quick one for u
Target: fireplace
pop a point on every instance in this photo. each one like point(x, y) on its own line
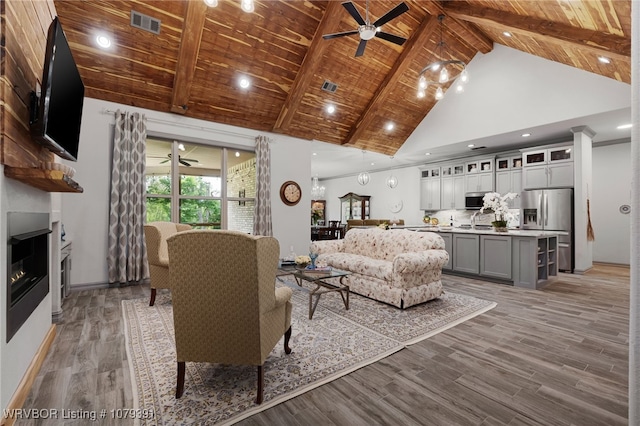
point(27, 266)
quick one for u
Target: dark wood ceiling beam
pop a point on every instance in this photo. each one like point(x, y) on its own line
point(192, 29)
point(328, 24)
point(410, 52)
point(467, 32)
point(598, 42)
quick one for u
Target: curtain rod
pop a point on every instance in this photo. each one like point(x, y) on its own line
point(189, 126)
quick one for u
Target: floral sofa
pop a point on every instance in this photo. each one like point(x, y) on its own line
point(397, 266)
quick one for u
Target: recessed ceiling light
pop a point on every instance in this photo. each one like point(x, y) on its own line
point(526, 135)
point(421, 94)
point(315, 153)
point(373, 164)
point(331, 109)
point(247, 6)
point(244, 82)
point(237, 153)
point(389, 126)
point(427, 153)
point(506, 34)
point(211, 3)
point(624, 126)
point(604, 59)
point(103, 41)
point(470, 145)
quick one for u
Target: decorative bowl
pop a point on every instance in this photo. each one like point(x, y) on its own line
point(301, 266)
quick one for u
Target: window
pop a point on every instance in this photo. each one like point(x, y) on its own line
point(204, 186)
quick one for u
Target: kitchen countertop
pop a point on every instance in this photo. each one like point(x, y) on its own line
point(511, 232)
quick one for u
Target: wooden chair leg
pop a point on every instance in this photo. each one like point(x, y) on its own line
point(260, 384)
point(153, 297)
point(180, 382)
point(287, 336)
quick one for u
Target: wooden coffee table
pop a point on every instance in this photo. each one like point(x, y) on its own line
point(322, 286)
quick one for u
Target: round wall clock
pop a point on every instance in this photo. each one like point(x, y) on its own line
point(290, 193)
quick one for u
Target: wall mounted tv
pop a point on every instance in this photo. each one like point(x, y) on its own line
point(56, 113)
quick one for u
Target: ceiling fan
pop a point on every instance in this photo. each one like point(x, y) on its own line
point(368, 30)
point(183, 161)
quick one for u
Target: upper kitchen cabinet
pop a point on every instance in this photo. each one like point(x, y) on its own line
point(509, 178)
point(452, 186)
point(430, 188)
point(431, 172)
point(548, 168)
point(452, 170)
point(479, 175)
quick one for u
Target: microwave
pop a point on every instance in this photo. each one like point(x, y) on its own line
point(473, 200)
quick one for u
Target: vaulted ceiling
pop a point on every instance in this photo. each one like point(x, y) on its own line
point(193, 65)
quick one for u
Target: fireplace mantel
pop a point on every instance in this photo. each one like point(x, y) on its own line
point(46, 180)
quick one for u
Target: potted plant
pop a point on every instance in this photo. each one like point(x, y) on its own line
point(498, 205)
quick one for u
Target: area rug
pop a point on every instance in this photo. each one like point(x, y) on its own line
point(334, 343)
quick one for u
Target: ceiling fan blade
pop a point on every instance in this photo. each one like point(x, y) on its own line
point(361, 46)
point(392, 38)
point(351, 8)
point(393, 13)
point(162, 162)
point(184, 163)
point(336, 35)
point(190, 159)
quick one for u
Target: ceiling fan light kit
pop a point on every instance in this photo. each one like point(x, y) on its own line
point(442, 71)
point(368, 30)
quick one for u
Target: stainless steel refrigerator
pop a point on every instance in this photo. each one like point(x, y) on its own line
point(551, 210)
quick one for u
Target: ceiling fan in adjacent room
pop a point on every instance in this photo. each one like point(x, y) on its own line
point(368, 30)
point(184, 161)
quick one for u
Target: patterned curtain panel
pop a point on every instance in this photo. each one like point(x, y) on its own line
point(127, 257)
point(262, 212)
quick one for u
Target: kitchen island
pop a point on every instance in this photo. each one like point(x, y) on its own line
point(521, 258)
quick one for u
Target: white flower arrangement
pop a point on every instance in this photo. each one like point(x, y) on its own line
point(384, 226)
point(496, 203)
point(303, 259)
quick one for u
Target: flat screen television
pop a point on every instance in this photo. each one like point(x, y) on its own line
point(56, 113)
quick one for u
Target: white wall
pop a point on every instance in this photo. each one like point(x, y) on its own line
point(611, 189)
point(86, 216)
point(382, 197)
point(16, 355)
point(500, 86)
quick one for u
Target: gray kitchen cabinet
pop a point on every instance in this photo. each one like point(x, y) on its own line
point(453, 189)
point(448, 246)
point(548, 168)
point(466, 253)
point(535, 261)
point(430, 193)
point(495, 256)
point(479, 182)
point(510, 181)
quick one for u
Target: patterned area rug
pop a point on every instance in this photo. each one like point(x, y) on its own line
point(334, 343)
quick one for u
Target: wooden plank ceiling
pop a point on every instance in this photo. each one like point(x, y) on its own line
point(193, 66)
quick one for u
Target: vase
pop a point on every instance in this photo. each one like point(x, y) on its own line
point(313, 257)
point(500, 226)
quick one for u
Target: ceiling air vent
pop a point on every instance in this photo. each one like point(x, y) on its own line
point(329, 86)
point(145, 22)
point(478, 147)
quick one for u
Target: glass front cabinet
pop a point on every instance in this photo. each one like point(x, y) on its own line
point(354, 206)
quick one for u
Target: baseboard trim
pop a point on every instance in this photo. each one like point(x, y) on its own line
point(22, 392)
point(92, 286)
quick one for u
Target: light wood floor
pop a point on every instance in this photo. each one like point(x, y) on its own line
point(557, 356)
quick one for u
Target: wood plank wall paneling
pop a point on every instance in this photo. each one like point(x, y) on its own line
point(25, 34)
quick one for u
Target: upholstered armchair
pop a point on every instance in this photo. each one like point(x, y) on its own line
point(226, 308)
point(155, 235)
